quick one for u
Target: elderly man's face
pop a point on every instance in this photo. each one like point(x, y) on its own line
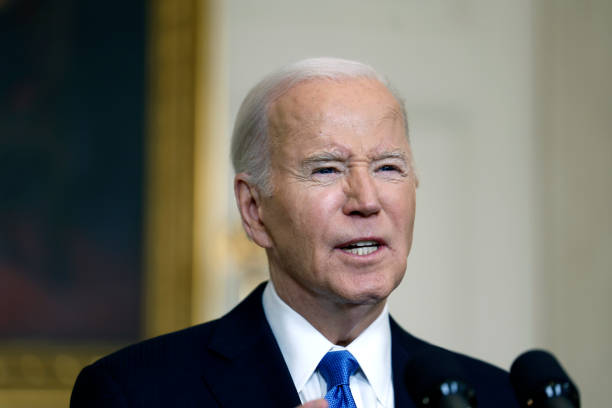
point(339, 222)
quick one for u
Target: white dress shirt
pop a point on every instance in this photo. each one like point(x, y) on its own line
point(303, 347)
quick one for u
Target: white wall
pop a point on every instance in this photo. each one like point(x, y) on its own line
point(574, 110)
point(485, 245)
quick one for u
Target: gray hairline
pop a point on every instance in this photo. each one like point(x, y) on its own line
point(250, 145)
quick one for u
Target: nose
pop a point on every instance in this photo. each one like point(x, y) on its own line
point(361, 194)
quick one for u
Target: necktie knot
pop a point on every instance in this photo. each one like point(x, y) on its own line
point(337, 367)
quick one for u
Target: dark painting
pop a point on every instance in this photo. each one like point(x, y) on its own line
point(72, 84)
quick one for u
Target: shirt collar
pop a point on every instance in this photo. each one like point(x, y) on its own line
point(303, 346)
point(372, 349)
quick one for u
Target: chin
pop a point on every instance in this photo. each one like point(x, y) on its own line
point(367, 294)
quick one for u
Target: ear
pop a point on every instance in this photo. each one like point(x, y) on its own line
point(248, 199)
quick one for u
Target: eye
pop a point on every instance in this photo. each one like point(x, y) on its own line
point(325, 170)
point(388, 167)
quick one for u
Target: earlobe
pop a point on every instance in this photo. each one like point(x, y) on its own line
point(249, 205)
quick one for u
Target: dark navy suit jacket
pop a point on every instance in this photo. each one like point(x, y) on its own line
point(235, 362)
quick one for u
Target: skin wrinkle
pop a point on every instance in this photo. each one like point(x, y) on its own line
point(324, 161)
point(335, 153)
point(296, 123)
point(338, 159)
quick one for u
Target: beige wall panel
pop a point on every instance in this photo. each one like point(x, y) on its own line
point(575, 185)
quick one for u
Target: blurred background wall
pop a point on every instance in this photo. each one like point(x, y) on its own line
point(510, 114)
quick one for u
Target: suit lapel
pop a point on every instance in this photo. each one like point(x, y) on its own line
point(246, 367)
point(403, 348)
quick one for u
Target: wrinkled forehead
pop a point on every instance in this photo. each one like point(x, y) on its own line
point(314, 106)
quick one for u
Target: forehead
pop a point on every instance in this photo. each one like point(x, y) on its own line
point(320, 113)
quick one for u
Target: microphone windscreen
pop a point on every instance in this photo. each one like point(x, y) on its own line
point(435, 374)
point(537, 374)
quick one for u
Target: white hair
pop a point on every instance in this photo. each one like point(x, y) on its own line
point(250, 148)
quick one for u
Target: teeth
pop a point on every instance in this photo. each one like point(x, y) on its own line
point(361, 250)
point(364, 244)
point(361, 247)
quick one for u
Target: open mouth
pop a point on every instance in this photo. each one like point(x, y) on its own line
point(361, 248)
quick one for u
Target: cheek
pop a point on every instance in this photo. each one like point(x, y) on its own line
point(304, 213)
point(400, 204)
point(318, 203)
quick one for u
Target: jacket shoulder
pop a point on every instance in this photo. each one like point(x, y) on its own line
point(162, 371)
point(171, 348)
point(169, 370)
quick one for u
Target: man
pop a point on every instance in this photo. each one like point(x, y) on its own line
point(325, 184)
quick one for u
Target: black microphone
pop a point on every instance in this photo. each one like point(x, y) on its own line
point(539, 381)
point(435, 380)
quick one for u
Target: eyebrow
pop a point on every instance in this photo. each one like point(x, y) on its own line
point(393, 154)
point(324, 157)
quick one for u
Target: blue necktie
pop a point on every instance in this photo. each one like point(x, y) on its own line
point(336, 367)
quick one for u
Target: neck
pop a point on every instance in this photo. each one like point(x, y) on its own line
point(340, 321)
